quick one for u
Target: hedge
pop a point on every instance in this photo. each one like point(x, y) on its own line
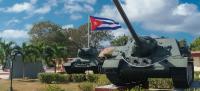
point(53, 78)
point(87, 86)
point(100, 79)
point(64, 78)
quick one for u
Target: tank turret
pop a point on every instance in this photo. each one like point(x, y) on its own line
point(143, 46)
point(87, 59)
point(147, 57)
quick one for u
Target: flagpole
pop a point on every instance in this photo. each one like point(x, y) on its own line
point(88, 31)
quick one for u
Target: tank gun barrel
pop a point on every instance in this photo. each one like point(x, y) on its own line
point(126, 20)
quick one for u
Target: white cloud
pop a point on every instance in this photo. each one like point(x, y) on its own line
point(18, 36)
point(28, 26)
point(185, 9)
point(90, 1)
point(12, 21)
point(109, 12)
point(77, 7)
point(43, 10)
point(75, 16)
point(46, 8)
point(154, 36)
point(73, 8)
point(88, 8)
point(11, 34)
point(67, 26)
point(158, 15)
point(2, 9)
point(19, 7)
point(120, 32)
point(33, 1)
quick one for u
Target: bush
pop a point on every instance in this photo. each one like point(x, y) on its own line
point(86, 86)
point(196, 75)
point(92, 77)
point(160, 83)
point(137, 88)
point(53, 78)
point(45, 77)
point(62, 78)
point(78, 77)
point(53, 88)
point(102, 80)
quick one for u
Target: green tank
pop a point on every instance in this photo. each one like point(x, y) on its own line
point(146, 57)
point(87, 59)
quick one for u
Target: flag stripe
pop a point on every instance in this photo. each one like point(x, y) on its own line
point(108, 25)
point(98, 23)
point(104, 22)
point(99, 18)
point(107, 28)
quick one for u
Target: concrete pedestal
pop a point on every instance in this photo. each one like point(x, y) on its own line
point(110, 87)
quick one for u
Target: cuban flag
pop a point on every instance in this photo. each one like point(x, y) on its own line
point(98, 23)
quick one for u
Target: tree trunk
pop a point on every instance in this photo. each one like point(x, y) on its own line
point(23, 70)
point(55, 68)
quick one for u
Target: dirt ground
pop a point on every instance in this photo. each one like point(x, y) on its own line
point(34, 85)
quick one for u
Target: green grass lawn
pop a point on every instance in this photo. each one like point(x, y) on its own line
point(36, 85)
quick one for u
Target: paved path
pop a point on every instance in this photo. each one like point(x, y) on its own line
point(4, 75)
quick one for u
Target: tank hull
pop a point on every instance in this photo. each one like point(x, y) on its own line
point(123, 74)
point(70, 69)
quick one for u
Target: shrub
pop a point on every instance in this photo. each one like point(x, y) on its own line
point(62, 78)
point(53, 78)
point(137, 88)
point(92, 77)
point(102, 80)
point(196, 75)
point(45, 77)
point(160, 83)
point(53, 88)
point(78, 77)
point(86, 86)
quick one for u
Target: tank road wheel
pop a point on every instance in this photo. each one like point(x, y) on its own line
point(183, 77)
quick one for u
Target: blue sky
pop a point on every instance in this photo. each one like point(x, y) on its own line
point(171, 18)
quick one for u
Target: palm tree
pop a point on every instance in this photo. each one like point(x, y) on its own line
point(49, 55)
point(55, 54)
point(1, 52)
point(6, 48)
point(60, 53)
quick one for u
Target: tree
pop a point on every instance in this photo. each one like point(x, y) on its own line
point(59, 53)
point(29, 54)
point(6, 48)
point(1, 52)
point(120, 41)
point(80, 37)
point(195, 45)
point(96, 36)
point(47, 33)
point(54, 54)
